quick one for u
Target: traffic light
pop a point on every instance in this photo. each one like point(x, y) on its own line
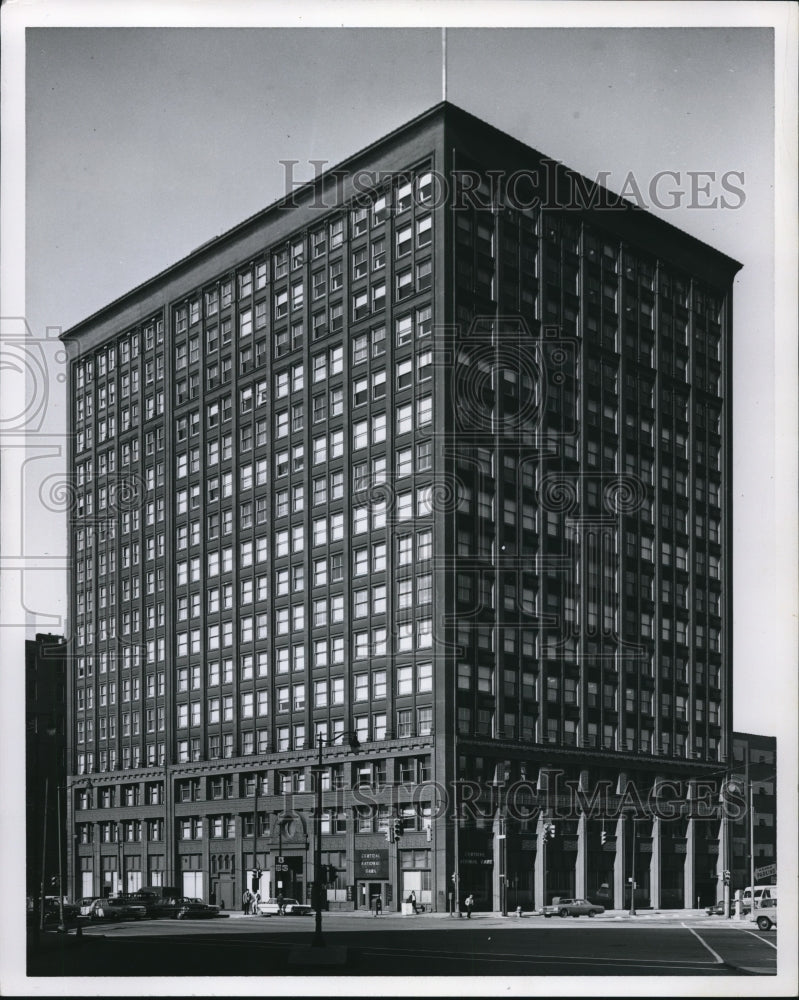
point(604, 836)
point(428, 833)
point(397, 823)
point(552, 831)
point(390, 832)
point(726, 876)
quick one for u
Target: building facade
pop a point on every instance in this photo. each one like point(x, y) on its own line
point(45, 761)
point(754, 833)
point(435, 452)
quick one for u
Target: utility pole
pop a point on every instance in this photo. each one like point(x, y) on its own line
point(44, 858)
point(751, 840)
point(61, 926)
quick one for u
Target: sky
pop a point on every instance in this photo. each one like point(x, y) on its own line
point(140, 143)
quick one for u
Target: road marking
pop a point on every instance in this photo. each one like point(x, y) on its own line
point(512, 957)
point(764, 940)
point(715, 954)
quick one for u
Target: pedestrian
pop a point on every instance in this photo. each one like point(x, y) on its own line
point(469, 903)
point(412, 900)
point(245, 902)
point(280, 904)
point(378, 905)
point(255, 900)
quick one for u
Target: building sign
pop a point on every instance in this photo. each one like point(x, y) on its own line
point(766, 871)
point(371, 864)
point(570, 845)
point(476, 858)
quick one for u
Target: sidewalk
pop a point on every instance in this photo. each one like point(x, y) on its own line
point(512, 918)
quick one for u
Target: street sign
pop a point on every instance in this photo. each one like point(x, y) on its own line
point(766, 871)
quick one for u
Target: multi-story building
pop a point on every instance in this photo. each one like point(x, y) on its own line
point(45, 761)
point(434, 451)
point(754, 831)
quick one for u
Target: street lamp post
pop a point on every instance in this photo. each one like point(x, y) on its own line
point(44, 859)
point(316, 892)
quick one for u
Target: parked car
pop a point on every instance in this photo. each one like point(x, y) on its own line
point(573, 908)
point(717, 909)
point(91, 907)
point(120, 908)
point(767, 914)
point(194, 909)
point(166, 907)
point(155, 903)
point(290, 907)
point(52, 911)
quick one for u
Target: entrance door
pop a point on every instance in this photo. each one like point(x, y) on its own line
point(86, 884)
point(376, 892)
point(222, 892)
point(367, 891)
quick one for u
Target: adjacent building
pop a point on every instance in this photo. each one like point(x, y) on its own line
point(45, 761)
point(754, 833)
point(434, 452)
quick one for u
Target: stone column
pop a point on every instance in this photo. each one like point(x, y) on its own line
point(689, 872)
point(540, 863)
point(581, 861)
point(620, 864)
point(656, 864)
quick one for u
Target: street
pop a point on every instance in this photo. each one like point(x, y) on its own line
point(432, 945)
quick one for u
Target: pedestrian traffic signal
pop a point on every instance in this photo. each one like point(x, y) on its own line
point(726, 878)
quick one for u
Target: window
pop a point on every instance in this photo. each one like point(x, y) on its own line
point(404, 330)
point(359, 263)
point(424, 231)
point(379, 210)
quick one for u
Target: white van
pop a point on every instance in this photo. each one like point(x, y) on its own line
point(761, 892)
